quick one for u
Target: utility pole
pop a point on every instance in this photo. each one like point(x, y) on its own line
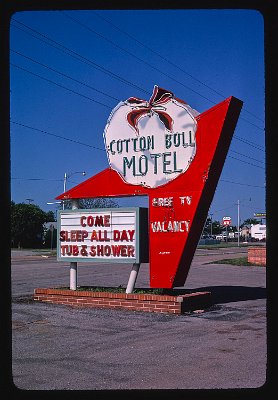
point(66, 177)
point(238, 223)
point(65, 185)
point(73, 265)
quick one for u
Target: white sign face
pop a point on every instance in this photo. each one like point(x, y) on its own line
point(103, 235)
point(151, 142)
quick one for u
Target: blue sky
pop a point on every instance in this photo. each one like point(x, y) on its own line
point(70, 69)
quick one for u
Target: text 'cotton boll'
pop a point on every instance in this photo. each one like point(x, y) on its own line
point(151, 142)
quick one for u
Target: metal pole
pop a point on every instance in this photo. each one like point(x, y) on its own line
point(132, 278)
point(65, 186)
point(73, 265)
point(238, 223)
point(73, 275)
point(51, 230)
point(65, 182)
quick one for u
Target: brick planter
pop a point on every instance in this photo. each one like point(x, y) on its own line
point(137, 302)
point(257, 255)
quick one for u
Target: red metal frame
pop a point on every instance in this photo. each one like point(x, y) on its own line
point(171, 252)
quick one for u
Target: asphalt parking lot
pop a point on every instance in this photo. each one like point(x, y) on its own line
point(59, 347)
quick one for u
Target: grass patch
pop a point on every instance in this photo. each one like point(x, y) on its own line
point(119, 289)
point(221, 245)
point(241, 261)
point(45, 251)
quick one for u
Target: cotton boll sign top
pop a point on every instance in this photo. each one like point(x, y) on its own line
point(150, 143)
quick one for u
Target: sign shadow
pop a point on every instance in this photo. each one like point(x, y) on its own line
point(227, 294)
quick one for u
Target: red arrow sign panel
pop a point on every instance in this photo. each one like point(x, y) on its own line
point(178, 209)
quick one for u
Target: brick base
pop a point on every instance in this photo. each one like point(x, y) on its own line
point(137, 302)
point(257, 255)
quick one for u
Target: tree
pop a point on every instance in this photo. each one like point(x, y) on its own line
point(215, 229)
point(27, 225)
point(50, 216)
point(250, 221)
point(97, 202)
point(50, 238)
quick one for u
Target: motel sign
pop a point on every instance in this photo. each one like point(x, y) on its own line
point(163, 149)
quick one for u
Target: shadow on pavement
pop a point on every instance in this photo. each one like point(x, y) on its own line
point(228, 294)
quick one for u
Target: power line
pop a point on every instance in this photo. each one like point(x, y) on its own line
point(246, 162)
point(245, 205)
point(61, 86)
point(67, 76)
point(137, 58)
point(249, 143)
point(61, 180)
point(244, 155)
point(169, 62)
point(251, 123)
point(94, 147)
point(155, 68)
point(38, 179)
point(104, 70)
point(77, 56)
point(223, 209)
point(57, 136)
point(237, 137)
point(229, 207)
point(89, 86)
point(242, 184)
point(105, 105)
point(97, 148)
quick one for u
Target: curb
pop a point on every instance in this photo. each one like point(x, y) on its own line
point(136, 302)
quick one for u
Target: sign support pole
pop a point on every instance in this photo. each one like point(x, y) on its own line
point(132, 278)
point(73, 275)
point(73, 265)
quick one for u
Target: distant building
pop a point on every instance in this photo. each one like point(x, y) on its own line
point(223, 236)
point(245, 232)
point(258, 231)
